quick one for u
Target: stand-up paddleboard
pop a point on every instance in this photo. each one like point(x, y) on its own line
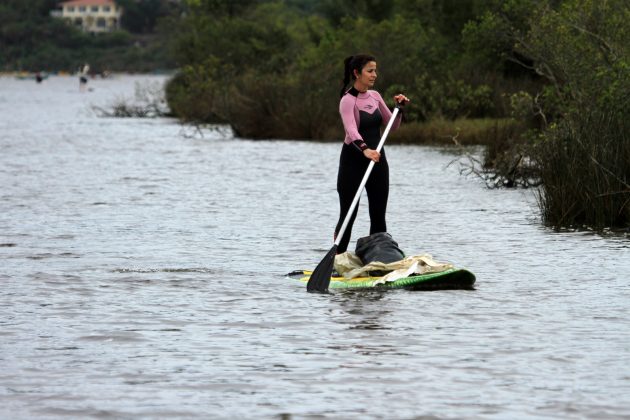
point(451, 279)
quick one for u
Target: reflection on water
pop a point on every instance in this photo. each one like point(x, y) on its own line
point(362, 309)
point(142, 269)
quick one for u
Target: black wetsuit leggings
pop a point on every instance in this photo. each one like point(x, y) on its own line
point(352, 167)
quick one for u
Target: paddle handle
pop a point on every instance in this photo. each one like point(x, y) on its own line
point(357, 196)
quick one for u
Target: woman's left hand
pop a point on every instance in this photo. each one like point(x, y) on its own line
point(401, 99)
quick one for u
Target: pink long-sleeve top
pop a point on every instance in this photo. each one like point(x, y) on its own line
point(360, 107)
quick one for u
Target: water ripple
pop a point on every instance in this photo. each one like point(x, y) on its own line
point(143, 262)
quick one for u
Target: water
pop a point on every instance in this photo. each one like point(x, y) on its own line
point(142, 270)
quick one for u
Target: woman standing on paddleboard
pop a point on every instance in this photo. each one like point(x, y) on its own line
point(363, 112)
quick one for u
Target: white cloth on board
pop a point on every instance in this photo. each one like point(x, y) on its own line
point(350, 266)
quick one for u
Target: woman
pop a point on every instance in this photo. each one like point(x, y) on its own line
point(363, 112)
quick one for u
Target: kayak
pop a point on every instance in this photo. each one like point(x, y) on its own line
point(451, 279)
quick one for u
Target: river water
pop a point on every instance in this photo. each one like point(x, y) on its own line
point(142, 267)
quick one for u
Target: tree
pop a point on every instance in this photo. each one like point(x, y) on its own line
point(141, 16)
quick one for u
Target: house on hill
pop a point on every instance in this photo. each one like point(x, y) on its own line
point(92, 16)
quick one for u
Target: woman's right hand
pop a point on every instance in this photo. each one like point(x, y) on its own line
point(401, 100)
point(372, 154)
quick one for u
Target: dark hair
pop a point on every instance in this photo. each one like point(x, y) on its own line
point(350, 64)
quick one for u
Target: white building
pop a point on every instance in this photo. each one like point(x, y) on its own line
point(91, 15)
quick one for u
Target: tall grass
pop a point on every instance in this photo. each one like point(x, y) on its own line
point(462, 131)
point(584, 163)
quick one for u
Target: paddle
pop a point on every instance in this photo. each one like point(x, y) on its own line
point(320, 279)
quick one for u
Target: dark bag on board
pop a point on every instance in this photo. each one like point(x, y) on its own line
point(379, 247)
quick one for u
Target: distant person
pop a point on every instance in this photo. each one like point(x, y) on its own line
point(363, 112)
point(83, 77)
point(38, 77)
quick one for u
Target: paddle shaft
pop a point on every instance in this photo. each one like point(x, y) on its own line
point(357, 196)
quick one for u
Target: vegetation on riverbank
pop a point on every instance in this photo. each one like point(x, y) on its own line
point(273, 69)
point(544, 83)
point(462, 131)
point(581, 149)
point(148, 102)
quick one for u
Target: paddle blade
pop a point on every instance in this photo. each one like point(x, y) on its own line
point(320, 279)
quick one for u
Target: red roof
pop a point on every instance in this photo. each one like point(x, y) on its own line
point(87, 3)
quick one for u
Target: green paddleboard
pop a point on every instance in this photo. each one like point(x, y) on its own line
point(451, 279)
